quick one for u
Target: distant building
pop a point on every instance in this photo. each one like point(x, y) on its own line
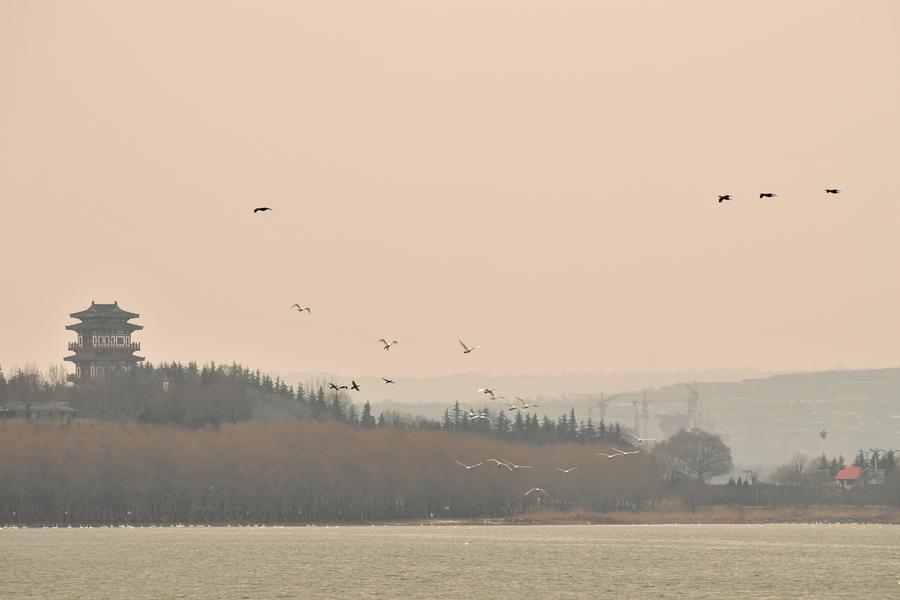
point(104, 343)
point(851, 477)
point(50, 412)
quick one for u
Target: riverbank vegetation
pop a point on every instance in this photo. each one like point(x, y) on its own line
point(306, 471)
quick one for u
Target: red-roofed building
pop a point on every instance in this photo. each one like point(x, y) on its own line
point(851, 477)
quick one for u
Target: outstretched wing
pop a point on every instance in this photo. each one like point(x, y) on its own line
point(461, 343)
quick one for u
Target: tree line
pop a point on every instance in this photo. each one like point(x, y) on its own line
point(294, 471)
point(196, 396)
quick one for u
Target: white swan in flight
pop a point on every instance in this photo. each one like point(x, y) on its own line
point(468, 467)
point(387, 345)
point(566, 471)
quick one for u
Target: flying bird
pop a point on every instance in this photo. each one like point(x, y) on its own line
point(386, 380)
point(468, 467)
point(354, 386)
point(622, 452)
point(823, 434)
point(566, 471)
point(499, 463)
point(508, 405)
point(337, 388)
point(525, 405)
point(541, 490)
point(724, 198)
point(467, 349)
point(833, 191)
point(387, 345)
point(641, 440)
point(261, 209)
point(301, 308)
point(767, 195)
point(514, 466)
point(488, 392)
point(609, 456)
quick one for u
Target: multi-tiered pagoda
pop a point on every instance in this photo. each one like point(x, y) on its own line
point(104, 343)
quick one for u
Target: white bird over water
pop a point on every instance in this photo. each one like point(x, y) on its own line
point(513, 466)
point(541, 490)
point(622, 452)
point(467, 349)
point(468, 467)
point(499, 463)
point(609, 456)
point(301, 308)
point(387, 345)
point(566, 471)
point(641, 440)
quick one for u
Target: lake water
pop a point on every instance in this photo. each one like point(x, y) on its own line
point(459, 562)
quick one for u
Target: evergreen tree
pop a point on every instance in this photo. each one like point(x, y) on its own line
point(519, 425)
point(860, 460)
point(457, 415)
point(572, 429)
point(301, 395)
point(366, 420)
point(381, 420)
point(446, 421)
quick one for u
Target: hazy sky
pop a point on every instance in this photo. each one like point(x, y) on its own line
point(539, 178)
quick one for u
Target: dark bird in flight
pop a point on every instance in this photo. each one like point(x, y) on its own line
point(355, 385)
point(724, 198)
point(337, 388)
point(767, 195)
point(823, 434)
point(301, 308)
point(386, 380)
point(387, 344)
point(833, 191)
point(261, 209)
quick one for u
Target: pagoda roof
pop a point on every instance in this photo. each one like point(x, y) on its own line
point(104, 311)
point(94, 326)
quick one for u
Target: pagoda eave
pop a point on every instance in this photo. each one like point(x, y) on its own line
point(106, 357)
point(93, 326)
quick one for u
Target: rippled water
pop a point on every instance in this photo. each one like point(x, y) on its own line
point(459, 562)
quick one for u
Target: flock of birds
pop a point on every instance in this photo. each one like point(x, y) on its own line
point(502, 463)
point(771, 194)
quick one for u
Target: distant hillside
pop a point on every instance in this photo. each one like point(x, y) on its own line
point(764, 418)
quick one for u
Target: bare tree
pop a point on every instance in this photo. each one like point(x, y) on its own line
point(695, 452)
point(792, 472)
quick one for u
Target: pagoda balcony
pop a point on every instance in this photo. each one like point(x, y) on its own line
point(132, 347)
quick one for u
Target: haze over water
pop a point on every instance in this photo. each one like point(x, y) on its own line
point(453, 562)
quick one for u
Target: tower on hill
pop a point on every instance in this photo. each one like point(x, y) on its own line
point(104, 343)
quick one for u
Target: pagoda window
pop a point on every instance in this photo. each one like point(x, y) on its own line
point(93, 340)
point(77, 371)
point(80, 342)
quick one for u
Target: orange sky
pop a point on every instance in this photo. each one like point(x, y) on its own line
point(539, 178)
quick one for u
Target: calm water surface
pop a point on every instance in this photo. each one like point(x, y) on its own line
point(459, 562)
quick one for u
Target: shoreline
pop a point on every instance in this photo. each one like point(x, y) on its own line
point(715, 515)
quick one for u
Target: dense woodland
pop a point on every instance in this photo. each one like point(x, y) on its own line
point(294, 471)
